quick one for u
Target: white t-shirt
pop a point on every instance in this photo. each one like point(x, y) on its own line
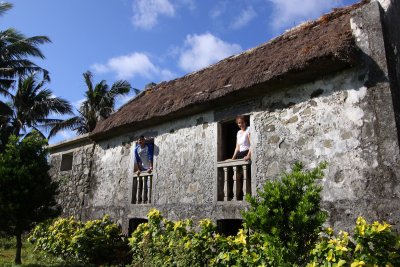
point(143, 154)
point(243, 139)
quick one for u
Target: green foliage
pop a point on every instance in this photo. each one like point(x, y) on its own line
point(94, 242)
point(26, 189)
point(371, 245)
point(55, 236)
point(161, 242)
point(288, 212)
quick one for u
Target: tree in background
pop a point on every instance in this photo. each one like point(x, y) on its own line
point(26, 189)
point(15, 51)
point(99, 103)
point(29, 108)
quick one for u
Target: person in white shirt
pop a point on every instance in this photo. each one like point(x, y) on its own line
point(242, 150)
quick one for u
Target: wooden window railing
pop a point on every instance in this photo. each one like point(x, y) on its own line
point(234, 179)
point(141, 191)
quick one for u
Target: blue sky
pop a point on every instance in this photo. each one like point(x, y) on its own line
point(145, 41)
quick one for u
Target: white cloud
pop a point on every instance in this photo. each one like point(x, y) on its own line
point(129, 66)
point(189, 3)
point(244, 18)
point(289, 13)
point(202, 50)
point(77, 104)
point(146, 12)
point(66, 134)
point(218, 9)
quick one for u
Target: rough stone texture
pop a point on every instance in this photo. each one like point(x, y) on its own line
point(187, 167)
point(346, 118)
point(74, 184)
point(337, 127)
point(392, 45)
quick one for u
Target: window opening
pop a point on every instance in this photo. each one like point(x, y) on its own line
point(134, 223)
point(66, 162)
point(229, 227)
point(234, 176)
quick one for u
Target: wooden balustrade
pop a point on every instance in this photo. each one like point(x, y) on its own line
point(234, 179)
point(141, 191)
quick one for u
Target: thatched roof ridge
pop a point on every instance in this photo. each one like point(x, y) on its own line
point(302, 54)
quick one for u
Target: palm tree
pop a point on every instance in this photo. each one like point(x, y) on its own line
point(30, 107)
point(99, 104)
point(15, 49)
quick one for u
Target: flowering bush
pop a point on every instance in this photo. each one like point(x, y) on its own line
point(94, 242)
point(371, 245)
point(161, 242)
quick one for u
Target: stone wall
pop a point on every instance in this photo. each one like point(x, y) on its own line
point(74, 184)
point(339, 127)
point(346, 119)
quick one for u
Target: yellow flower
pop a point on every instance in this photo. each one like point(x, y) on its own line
point(383, 227)
point(240, 238)
point(177, 225)
point(361, 223)
point(358, 263)
point(188, 244)
point(341, 248)
point(329, 231)
point(205, 222)
point(153, 214)
point(330, 256)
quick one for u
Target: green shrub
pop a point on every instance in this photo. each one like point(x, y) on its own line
point(288, 212)
point(371, 245)
point(161, 242)
point(94, 242)
point(99, 242)
point(55, 236)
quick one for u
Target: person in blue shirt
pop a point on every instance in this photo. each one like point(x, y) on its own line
point(144, 156)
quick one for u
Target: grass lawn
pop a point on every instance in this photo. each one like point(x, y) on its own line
point(30, 258)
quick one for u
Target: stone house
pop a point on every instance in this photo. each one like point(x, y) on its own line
point(327, 90)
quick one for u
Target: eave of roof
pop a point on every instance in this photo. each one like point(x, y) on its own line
point(309, 51)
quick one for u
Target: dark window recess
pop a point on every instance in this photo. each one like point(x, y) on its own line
point(66, 162)
point(227, 138)
point(134, 223)
point(229, 227)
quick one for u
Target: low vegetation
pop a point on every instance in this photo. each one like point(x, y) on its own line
point(96, 242)
point(283, 227)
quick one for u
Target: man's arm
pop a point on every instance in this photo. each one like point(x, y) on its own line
point(137, 159)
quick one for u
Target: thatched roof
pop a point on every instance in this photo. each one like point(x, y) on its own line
point(302, 54)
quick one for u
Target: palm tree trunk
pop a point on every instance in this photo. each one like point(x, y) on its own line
point(18, 249)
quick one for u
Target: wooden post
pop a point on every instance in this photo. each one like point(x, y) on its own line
point(149, 189)
point(139, 190)
point(244, 182)
point(134, 190)
point(226, 183)
point(144, 198)
point(234, 189)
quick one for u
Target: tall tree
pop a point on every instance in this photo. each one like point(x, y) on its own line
point(27, 193)
point(30, 106)
point(15, 51)
point(99, 103)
